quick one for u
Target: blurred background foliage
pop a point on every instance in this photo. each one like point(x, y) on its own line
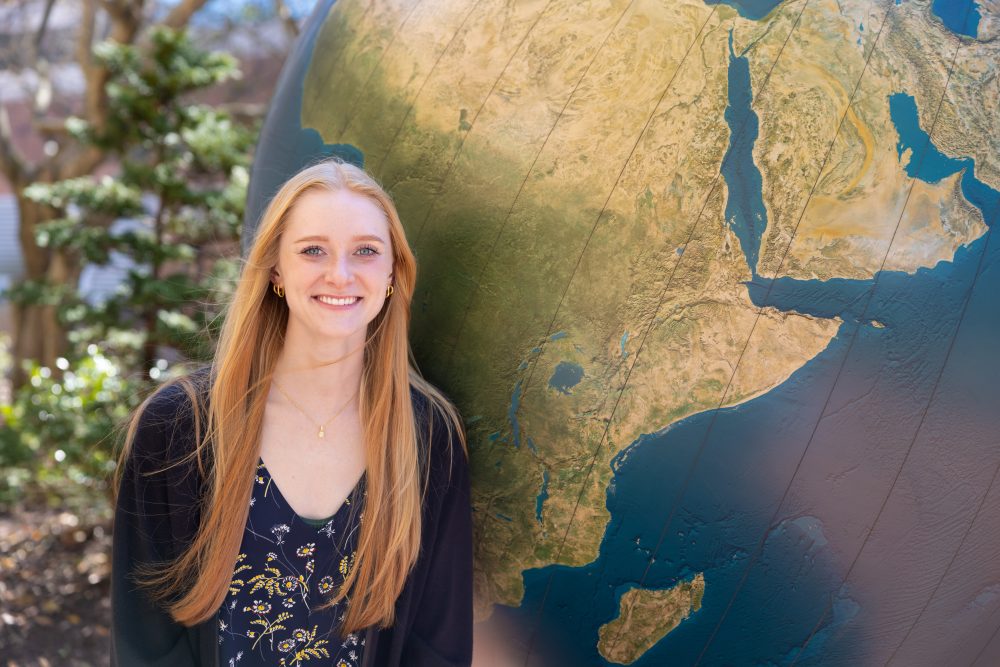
point(180, 183)
point(125, 139)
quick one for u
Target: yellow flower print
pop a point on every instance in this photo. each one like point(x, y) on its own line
point(346, 563)
point(286, 645)
point(326, 585)
point(300, 635)
point(237, 584)
point(306, 550)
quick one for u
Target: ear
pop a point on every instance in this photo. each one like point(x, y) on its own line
point(275, 276)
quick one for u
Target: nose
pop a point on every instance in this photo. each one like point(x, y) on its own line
point(338, 270)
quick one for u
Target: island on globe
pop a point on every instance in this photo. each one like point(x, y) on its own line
point(714, 287)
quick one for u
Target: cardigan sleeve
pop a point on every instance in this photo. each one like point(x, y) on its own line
point(441, 630)
point(153, 514)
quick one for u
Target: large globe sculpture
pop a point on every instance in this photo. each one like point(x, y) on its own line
point(716, 290)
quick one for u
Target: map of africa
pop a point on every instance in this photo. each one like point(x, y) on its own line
point(714, 287)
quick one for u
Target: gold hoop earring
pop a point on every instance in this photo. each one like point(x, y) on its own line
point(389, 291)
point(280, 291)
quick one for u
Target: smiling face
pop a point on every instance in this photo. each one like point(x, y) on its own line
point(334, 263)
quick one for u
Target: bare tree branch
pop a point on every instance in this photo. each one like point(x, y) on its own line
point(84, 47)
point(40, 34)
point(181, 14)
point(126, 18)
point(291, 27)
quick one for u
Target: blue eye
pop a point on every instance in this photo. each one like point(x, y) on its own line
point(309, 250)
point(374, 251)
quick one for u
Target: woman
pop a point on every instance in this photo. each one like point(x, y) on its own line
point(305, 501)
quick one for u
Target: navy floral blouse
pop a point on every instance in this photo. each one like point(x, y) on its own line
point(287, 567)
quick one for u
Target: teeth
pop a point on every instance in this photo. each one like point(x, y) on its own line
point(338, 302)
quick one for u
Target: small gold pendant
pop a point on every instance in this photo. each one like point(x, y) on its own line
point(321, 431)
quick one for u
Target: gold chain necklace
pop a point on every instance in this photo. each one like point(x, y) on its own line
point(322, 427)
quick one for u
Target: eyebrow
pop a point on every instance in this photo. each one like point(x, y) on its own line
point(366, 237)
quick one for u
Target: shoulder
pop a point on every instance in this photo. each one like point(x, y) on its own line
point(165, 423)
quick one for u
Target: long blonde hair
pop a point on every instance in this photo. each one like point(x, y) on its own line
point(227, 448)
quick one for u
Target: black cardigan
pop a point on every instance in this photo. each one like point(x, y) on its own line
point(157, 515)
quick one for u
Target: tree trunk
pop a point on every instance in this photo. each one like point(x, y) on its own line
point(38, 335)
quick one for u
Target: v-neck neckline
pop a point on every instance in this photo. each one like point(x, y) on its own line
point(271, 486)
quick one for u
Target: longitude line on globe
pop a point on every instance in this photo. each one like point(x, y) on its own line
point(771, 523)
point(357, 98)
point(909, 449)
point(934, 387)
point(413, 101)
point(490, 253)
point(954, 557)
point(986, 645)
point(341, 45)
point(598, 218)
point(642, 342)
point(472, 121)
point(649, 325)
point(673, 271)
point(510, 211)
